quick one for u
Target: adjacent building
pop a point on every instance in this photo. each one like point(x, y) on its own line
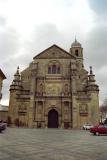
point(3, 112)
point(55, 91)
point(2, 77)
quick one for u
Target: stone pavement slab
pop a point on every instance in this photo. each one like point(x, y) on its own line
point(51, 144)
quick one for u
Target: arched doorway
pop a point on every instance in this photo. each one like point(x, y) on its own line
point(53, 119)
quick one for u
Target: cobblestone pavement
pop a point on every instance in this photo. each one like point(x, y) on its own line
point(51, 144)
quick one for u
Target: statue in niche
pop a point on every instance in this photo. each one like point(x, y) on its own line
point(40, 104)
point(39, 112)
point(41, 89)
point(66, 109)
point(66, 89)
point(83, 109)
point(66, 113)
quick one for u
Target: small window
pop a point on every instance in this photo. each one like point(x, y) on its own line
point(53, 69)
point(58, 70)
point(76, 52)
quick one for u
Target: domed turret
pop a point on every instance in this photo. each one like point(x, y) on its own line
point(76, 44)
point(77, 51)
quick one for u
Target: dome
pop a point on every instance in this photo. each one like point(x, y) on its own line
point(76, 44)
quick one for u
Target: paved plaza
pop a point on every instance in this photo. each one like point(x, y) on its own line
point(51, 144)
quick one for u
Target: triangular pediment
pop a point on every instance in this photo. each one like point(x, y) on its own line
point(54, 52)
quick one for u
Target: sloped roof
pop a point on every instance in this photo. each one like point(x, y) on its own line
point(53, 46)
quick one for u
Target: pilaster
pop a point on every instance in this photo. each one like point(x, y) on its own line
point(33, 67)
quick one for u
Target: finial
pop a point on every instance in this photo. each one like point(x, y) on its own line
point(18, 70)
point(91, 72)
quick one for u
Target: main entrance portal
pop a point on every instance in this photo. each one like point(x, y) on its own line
point(53, 119)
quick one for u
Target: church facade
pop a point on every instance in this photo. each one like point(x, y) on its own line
point(55, 91)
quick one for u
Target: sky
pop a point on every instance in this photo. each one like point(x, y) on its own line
point(27, 27)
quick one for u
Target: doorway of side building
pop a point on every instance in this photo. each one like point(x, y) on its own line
point(52, 119)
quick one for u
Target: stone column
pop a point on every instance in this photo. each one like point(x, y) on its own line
point(70, 115)
point(73, 95)
point(33, 67)
point(46, 121)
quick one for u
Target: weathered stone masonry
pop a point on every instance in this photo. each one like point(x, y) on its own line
point(55, 91)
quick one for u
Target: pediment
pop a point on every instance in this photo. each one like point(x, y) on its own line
point(54, 52)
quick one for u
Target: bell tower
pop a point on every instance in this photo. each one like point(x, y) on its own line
point(77, 51)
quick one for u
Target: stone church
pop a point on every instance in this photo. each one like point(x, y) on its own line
point(55, 91)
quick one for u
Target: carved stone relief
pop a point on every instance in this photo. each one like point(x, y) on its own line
point(83, 110)
point(66, 89)
point(53, 89)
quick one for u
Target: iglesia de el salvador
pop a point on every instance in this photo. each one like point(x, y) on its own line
point(55, 91)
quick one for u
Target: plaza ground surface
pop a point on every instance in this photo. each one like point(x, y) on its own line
point(51, 144)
